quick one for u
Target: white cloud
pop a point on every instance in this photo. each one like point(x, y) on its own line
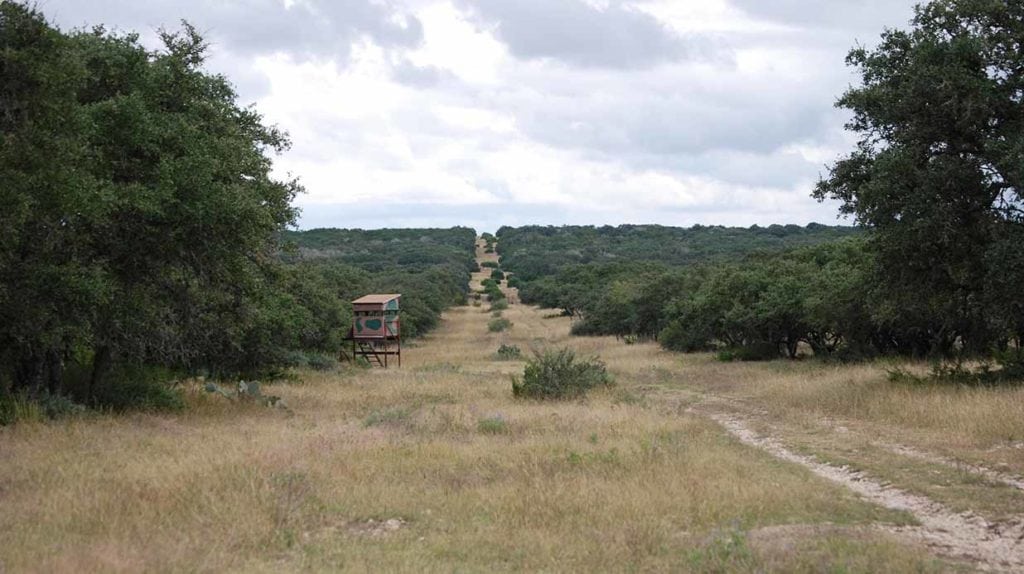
point(446, 112)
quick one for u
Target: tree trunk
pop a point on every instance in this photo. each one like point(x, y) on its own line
point(100, 366)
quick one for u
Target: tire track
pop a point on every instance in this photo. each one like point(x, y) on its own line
point(965, 536)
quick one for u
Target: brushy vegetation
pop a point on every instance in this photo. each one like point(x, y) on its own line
point(560, 374)
point(499, 305)
point(934, 181)
point(508, 352)
point(498, 325)
point(163, 249)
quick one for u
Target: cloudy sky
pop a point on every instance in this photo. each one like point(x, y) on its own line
point(489, 112)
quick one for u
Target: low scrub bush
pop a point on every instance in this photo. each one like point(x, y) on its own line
point(498, 275)
point(16, 408)
point(508, 352)
point(490, 264)
point(144, 388)
point(560, 375)
point(1009, 370)
point(753, 352)
point(499, 305)
point(311, 360)
point(498, 325)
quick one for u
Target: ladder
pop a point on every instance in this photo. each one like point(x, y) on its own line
point(369, 350)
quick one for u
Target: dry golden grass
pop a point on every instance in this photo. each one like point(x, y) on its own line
point(983, 425)
point(472, 479)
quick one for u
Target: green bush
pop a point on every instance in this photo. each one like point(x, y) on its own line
point(560, 375)
point(498, 275)
point(498, 325)
point(19, 408)
point(490, 264)
point(321, 362)
point(499, 305)
point(763, 351)
point(138, 388)
point(508, 352)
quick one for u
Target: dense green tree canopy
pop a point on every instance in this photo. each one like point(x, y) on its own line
point(139, 207)
point(938, 173)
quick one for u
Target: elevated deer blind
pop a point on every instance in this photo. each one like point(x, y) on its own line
point(376, 329)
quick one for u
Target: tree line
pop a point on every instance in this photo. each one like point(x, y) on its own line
point(935, 183)
point(144, 238)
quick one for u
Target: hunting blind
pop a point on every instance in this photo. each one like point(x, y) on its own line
point(376, 329)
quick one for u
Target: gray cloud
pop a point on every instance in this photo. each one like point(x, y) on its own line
point(580, 34)
point(238, 30)
point(323, 28)
point(614, 94)
point(861, 16)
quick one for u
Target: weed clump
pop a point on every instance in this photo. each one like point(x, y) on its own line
point(498, 325)
point(493, 425)
point(508, 353)
point(560, 375)
point(499, 305)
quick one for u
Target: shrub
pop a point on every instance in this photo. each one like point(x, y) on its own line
point(311, 360)
point(490, 264)
point(19, 408)
point(508, 352)
point(496, 314)
point(560, 375)
point(498, 275)
point(494, 293)
point(499, 305)
point(763, 351)
point(138, 388)
point(498, 325)
point(321, 362)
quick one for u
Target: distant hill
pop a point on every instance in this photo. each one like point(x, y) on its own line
point(387, 249)
point(536, 251)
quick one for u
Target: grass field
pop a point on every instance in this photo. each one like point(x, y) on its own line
point(435, 467)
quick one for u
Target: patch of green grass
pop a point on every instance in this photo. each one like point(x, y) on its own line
point(493, 425)
point(390, 416)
